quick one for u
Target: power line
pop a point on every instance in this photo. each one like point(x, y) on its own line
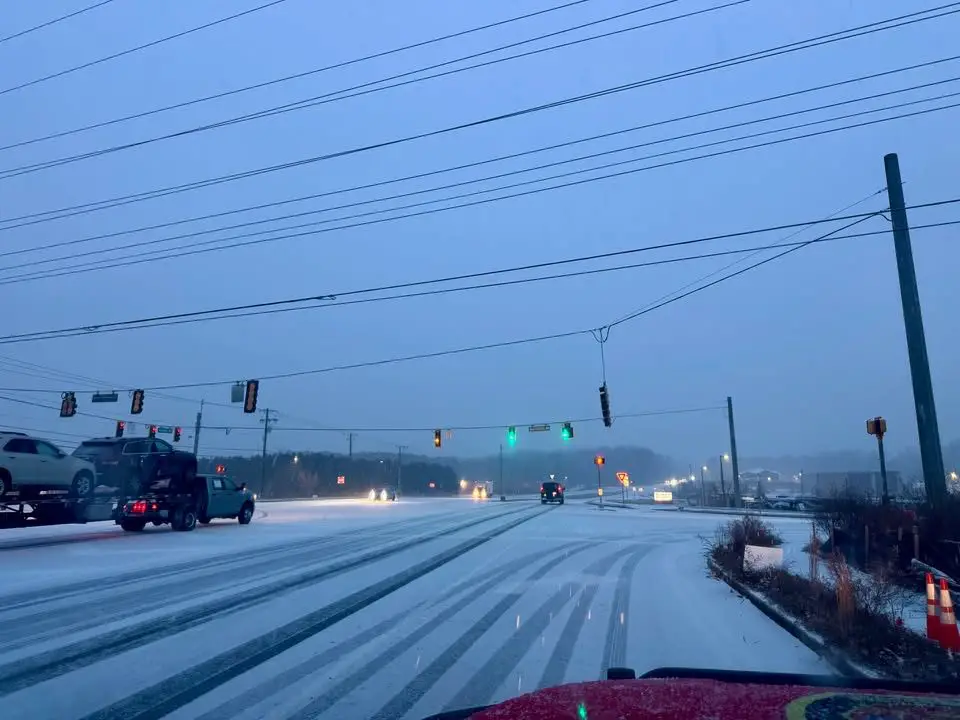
point(448, 169)
point(291, 305)
point(296, 76)
point(797, 246)
point(461, 350)
point(55, 20)
point(785, 240)
point(198, 248)
point(375, 86)
point(818, 41)
point(138, 48)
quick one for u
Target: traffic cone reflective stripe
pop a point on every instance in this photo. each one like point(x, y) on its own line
point(933, 611)
point(949, 636)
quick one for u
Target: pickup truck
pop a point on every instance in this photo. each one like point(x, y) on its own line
point(184, 504)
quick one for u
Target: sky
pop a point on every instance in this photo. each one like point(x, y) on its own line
point(808, 346)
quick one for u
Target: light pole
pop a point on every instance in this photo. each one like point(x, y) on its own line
point(703, 487)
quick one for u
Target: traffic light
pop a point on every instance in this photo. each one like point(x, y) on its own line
point(136, 405)
point(437, 438)
point(68, 404)
point(599, 460)
point(250, 396)
point(605, 405)
point(221, 469)
point(176, 434)
point(121, 426)
point(566, 432)
point(152, 431)
point(512, 435)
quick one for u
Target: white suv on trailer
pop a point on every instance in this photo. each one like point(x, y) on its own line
point(30, 465)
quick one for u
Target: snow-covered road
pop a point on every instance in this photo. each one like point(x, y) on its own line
point(361, 610)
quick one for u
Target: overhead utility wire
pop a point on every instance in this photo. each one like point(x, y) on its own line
point(218, 241)
point(701, 288)
point(431, 173)
point(202, 315)
point(295, 76)
point(138, 48)
point(276, 307)
point(785, 243)
point(204, 247)
point(55, 20)
point(370, 87)
point(818, 41)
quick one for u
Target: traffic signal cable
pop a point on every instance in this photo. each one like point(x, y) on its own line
point(465, 166)
point(859, 31)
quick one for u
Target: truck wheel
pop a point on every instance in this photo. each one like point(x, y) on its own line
point(184, 519)
point(246, 515)
point(6, 483)
point(132, 525)
point(83, 484)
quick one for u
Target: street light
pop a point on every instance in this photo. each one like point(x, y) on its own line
point(703, 487)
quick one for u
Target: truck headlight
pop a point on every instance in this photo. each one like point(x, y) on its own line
point(372, 495)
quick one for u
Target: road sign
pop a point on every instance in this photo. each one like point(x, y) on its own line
point(165, 430)
point(877, 426)
point(539, 428)
point(623, 478)
point(104, 397)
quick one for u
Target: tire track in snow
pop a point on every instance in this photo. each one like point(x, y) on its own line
point(27, 630)
point(32, 598)
point(277, 684)
point(481, 687)
point(615, 648)
point(54, 663)
point(556, 670)
point(173, 693)
point(425, 680)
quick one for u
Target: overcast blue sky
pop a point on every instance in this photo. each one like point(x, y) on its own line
point(809, 346)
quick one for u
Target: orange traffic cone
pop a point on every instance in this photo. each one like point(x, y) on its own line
point(949, 636)
point(933, 611)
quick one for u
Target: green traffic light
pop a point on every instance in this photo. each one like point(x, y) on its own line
point(511, 435)
point(565, 433)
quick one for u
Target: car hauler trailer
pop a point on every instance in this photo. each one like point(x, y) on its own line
point(53, 508)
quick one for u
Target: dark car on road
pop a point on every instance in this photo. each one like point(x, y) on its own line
point(551, 492)
point(131, 463)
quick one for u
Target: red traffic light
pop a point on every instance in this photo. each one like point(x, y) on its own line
point(177, 432)
point(250, 396)
point(221, 469)
point(152, 431)
point(121, 426)
point(136, 405)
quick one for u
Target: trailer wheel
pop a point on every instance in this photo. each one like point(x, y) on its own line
point(132, 525)
point(246, 514)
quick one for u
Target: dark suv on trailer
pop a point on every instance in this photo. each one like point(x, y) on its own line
point(131, 463)
point(551, 492)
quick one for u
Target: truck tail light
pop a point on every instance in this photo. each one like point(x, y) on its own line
point(139, 507)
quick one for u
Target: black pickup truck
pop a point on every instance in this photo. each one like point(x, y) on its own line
point(184, 502)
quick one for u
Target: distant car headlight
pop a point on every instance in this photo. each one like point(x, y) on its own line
point(373, 495)
point(254, 496)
